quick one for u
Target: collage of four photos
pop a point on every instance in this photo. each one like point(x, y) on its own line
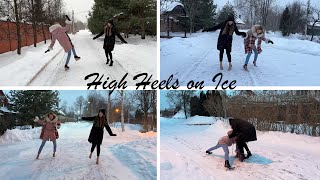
point(159, 89)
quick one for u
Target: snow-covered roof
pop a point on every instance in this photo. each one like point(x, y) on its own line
point(239, 21)
point(61, 113)
point(6, 110)
point(169, 6)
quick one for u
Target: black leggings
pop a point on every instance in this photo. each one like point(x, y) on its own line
point(98, 148)
point(241, 145)
point(246, 147)
point(228, 51)
point(108, 54)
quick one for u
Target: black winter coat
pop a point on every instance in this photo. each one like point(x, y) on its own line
point(225, 40)
point(96, 133)
point(109, 41)
point(244, 130)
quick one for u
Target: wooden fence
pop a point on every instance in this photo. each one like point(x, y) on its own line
point(9, 38)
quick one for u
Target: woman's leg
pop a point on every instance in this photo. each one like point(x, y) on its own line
point(221, 55)
point(110, 54)
point(93, 147)
point(255, 55)
point(68, 58)
point(214, 147)
point(229, 58)
point(221, 58)
point(54, 145)
point(229, 55)
point(41, 146)
point(226, 151)
point(248, 58)
point(74, 51)
point(98, 150)
point(107, 55)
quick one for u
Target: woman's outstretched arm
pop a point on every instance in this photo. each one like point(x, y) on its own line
point(120, 37)
point(100, 34)
point(88, 118)
point(106, 125)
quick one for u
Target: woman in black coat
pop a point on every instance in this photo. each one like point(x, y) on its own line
point(225, 38)
point(96, 134)
point(110, 32)
point(245, 132)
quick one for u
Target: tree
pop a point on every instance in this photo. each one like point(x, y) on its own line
point(285, 22)
point(225, 12)
point(314, 19)
point(265, 8)
point(33, 103)
point(191, 8)
point(206, 15)
point(144, 103)
point(180, 99)
point(79, 105)
point(143, 9)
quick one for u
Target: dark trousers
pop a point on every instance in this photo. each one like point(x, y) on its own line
point(228, 51)
point(108, 54)
point(98, 148)
point(241, 145)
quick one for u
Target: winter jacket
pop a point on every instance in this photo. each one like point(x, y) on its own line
point(226, 36)
point(226, 140)
point(110, 38)
point(243, 130)
point(49, 130)
point(59, 33)
point(96, 133)
point(251, 37)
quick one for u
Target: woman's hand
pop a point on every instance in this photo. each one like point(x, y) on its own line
point(36, 119)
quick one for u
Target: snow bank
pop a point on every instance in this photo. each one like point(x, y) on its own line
point(17, 135)
point(179, 115)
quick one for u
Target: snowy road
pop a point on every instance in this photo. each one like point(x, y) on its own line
point(289, 62)
point(138, 56)
point(130, 155)
point(275, 155)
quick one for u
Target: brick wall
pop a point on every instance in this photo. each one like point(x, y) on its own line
point(8, 35)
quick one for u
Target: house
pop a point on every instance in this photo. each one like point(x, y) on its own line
point(4, 102)
point(170, 13)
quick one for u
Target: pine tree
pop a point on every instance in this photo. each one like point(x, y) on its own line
point(29, 104)
point(225, 12)
point(206, 15)
point(285, 23)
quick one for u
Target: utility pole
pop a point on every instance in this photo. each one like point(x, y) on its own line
point(73, 22)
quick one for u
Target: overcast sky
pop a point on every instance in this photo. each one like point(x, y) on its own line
point(80, 7)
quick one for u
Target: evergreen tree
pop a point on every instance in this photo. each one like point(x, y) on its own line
point(206, 15)
point(285, 23)
point(29, 104)
point(226, 11)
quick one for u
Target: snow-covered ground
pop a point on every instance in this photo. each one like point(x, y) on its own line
point(288, 62)
point(130, 155)
point(36, 68)
point(276, 155)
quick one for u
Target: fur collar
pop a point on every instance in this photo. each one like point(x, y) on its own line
point(52, 121)
point(54, 27)
point(254, 31)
